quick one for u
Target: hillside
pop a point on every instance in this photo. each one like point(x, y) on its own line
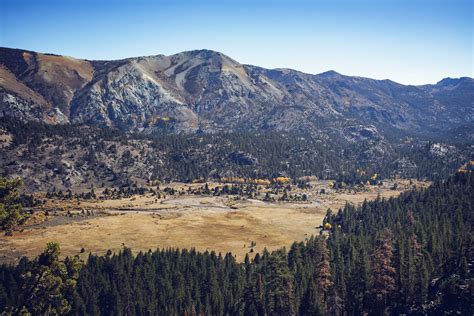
point(78, 156)
point(67, 123)
point(207, 91)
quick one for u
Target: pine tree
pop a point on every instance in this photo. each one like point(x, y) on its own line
point(11, 211)
point(322, 270)
point(49, 282)
point(358, 284)
point(279, 287)
point(335, 303)
point(310, 302)
point(383, 273)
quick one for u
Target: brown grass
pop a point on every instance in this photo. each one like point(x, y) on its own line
point(204, 223)
point(204, 230)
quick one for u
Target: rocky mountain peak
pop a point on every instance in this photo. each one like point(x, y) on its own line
point(330, 74)
point(205, 90)
point(455, 81)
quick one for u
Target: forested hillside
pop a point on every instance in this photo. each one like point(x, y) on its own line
point(71, 156)
point(412, 254)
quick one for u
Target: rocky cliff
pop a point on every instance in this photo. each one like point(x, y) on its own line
point(206, 91)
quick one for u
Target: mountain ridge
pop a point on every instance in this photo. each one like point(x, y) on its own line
point(201, 114)
point(208, 91)
point(326, 72)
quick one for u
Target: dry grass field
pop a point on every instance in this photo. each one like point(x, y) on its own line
point(209, 223)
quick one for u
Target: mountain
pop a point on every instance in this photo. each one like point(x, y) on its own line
point(66, 122)
point(207, 91)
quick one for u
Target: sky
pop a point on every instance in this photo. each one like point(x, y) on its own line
point(408, 41)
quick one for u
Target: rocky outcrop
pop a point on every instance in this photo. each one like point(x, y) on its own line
point(206, 91)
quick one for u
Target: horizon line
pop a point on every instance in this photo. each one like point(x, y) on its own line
point(245, 64)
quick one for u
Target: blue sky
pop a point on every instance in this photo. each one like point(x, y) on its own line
point(409, 41)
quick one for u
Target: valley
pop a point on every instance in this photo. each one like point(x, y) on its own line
point(236, 158)
point(190, 217)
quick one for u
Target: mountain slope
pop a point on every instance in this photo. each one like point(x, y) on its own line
point(207, 91)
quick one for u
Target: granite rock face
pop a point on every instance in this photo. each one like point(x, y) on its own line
point(206, 91)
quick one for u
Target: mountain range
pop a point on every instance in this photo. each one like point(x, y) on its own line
point(207, 91)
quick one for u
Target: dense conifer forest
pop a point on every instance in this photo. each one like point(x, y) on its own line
point(407, 255)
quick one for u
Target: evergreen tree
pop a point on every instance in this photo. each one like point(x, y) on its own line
point(11, 211)
point(383, 273)
point(49, 283)
point(279, 286)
